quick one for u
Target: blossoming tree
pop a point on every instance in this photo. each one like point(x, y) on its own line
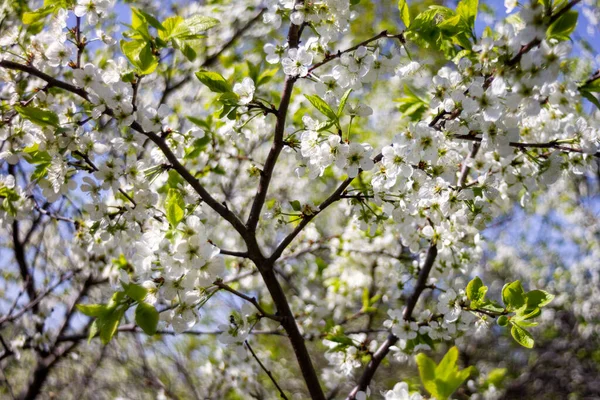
point(323, 198)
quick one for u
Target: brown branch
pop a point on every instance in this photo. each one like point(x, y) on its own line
point(240, 254)
point(330, 57)
point(384, 349)
point(592, 78)
point(53, 82)
point(132, 328)
point(28, 279)
point(335, 196)
point(40, 297)
point(421, 282)
point(536, 42)
point(289, 324)
point(278, 143)
point(158, 140)
point(464, 171)
point(521, 145)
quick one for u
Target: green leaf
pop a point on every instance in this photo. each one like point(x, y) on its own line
point(195, 24)
point(593, 99)
point(135, 291)
point(266, 76)
point(593, 86)
point(32, 17)
point(538, 298)
point(174, 207)
point(522, 337)
point(38, 116)
point(147, 60)
point(149, 18)
point(448, 364)
point(343, 102)
point(199, 122)
point(115, 300)
point(296, 206)
point(563, 27)
point(322, 106)
point(139, 53)
point(404, 12)
point(197, 147)
point(214, 81)
point(427, 372)
point(496, 377)
point(444, 379)
point(476, 291)
point(513, 295)
point(169, 25)
point(94, 329)
point(146, 317)
point(524, 313)
point(92, 310)
point(40, 171)
point(187, 50)
point(177, 28)
point(139, 24)
point(229, 98)
point(109, 323)
point(467, 9)
point(525, 324)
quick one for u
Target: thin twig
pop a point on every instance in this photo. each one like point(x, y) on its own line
point(219, 283)
point(281, 393)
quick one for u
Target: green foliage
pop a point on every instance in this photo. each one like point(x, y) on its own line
point(338, 336)
point(467, 10)
point(562, 28)
point(513, 295)
point(174, 207)
point(108, 323)
point(343, 102)
point(107, 317)
point(146, 317)
point(35, 19)
point(495, 377)
point(214, 81)
point(144, 49)
point(587, 90)
point(404, 12)
point(183, 33)
point(9, 197)
point(38, 116)
point(519, 309)
point(442, 28)
point(476, 292)
point(522, 337)
point(368, 301)
point(260, 78)
point(92, 310)
point(443, 379)
point(140, 54)
point(41, 160)
point(135, 291)
point(412, 105)
point(322, 106)
point(296, 205)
